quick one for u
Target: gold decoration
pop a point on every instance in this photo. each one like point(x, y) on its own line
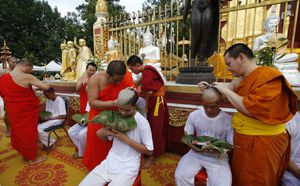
point(42, 98)
point(101, 7)
point(178, 117)
point(74, 104)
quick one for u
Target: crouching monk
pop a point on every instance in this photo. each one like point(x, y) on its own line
point(265, 102)
point(23, 109)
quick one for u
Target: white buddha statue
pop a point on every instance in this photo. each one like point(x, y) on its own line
point(286, 64)
point(151, 54)
point(271, 38)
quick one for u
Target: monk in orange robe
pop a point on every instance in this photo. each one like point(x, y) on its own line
point(22, 106)
point(152, 85)
point(91, 69)
point(103, 90)
point(265, 102)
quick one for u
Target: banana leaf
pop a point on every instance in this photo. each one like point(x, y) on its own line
point(208, 145)
point(115, 120)
point(45, 114)
point(81, 119)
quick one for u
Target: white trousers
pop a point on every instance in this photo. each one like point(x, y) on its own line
point(43, 136)
point(289, 179)
point(191, 163)
point(99, 176)
point(77, 134)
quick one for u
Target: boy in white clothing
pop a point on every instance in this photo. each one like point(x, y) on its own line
point(55, 105)
point(122, 163)
point(77, 134)
point(207, 121)
point(291, 177)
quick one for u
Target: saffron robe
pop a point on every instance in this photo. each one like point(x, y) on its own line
point(262, 159)
point(96, 149)
point(157, 109)
point(22, 107)
point(83, 98)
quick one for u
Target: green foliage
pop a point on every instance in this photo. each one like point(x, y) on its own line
point(87, 14)
point(268, 55)
point(207, 144)
point(81, 119)
point(45, 114)
point(33, 29)
point(115, 120)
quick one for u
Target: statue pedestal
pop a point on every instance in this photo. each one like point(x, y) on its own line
point(193, 75)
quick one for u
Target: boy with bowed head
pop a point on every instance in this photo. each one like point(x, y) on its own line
point(207, 121)
point(122, 164)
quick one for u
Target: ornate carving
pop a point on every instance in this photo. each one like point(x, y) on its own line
point(101, 7)
point(42, 98)
point(74, 104)
point(178, 117)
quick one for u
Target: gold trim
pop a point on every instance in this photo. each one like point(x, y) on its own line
point(178, 117)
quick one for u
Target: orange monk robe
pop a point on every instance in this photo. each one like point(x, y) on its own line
point(83, 98)
point(157, 109)
point(22, 107)
point(259, 159)
point(96, 149)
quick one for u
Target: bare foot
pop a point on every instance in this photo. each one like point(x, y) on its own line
point(38, 159)
point(76, 155)
point(148, 163)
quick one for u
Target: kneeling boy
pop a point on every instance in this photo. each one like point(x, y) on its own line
point(122, 163)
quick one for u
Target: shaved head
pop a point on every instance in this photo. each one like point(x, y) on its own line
point(211, 95)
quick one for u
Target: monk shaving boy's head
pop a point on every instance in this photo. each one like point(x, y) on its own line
point(116, 71)
point(127, 99)
point(211, 101)
point(50, 94)
point(135, 64)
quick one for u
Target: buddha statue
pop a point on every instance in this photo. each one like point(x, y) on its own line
point(286, 64)
point(273, 39)
point(111, 54)
point(83, 57)
point(65, 66)
point(151, 54)
point(69, 74)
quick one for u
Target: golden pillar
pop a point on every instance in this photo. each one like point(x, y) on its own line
point(100, 30)
point(4, 55)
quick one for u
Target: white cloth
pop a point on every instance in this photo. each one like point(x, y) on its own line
point(77, 134)
point(218, 170)
point(293, 127)
point(57, 108)
point(2, 112)
point(122, 161)
point(94, 179)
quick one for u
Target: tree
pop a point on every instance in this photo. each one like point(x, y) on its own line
point(32, 29)
point(87, 14)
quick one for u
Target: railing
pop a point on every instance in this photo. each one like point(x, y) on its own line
point(240, 21)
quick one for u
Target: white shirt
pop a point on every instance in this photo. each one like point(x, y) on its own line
point(293, 127)
point(56, 107)
point(124, 159)
point(218, 127)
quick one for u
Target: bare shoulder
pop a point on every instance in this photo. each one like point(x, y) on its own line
point(2, 72)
